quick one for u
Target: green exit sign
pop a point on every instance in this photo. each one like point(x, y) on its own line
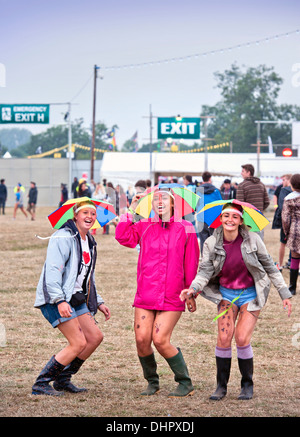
point(178, 127)
point(21, 113)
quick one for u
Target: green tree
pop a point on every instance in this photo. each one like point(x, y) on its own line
point(247, 96)
point(58, 136)
point(14, 137)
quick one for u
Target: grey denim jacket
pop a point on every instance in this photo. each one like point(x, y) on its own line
point(59, 273)
point(257, 260)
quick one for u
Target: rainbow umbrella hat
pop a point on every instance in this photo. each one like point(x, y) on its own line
point(105, 212)
point(185, 201)
point(252, 216)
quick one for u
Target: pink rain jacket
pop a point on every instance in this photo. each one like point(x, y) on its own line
point(168, 260)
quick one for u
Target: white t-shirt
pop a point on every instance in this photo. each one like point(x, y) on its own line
point(85, 262)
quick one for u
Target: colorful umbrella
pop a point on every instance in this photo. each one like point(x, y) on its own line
point(105, 212)
point(185, 201)
point(252, 216)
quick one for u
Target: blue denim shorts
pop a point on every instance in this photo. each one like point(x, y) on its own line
point(247, 295)
point(51, 313)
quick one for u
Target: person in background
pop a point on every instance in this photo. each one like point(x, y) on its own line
point(83, 189)
point(121, 200)
point(64, 194)
point(129, 195)
point(253, 191)
point(98, 194)
point(3, 196)
point(188, 182)
point(291, 227)
point(32, 200)
point(277, 221)
point(111, 197)
point(276, 194)
point(228, 191)
point(74, 187)
point(207, 193)
point(19, 203)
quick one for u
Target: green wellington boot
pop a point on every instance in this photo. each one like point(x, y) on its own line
point(179, 368)
point(149, 369)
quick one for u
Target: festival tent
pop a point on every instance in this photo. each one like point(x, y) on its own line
point(127, 168)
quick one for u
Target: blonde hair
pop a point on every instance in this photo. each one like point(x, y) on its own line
point(78, 206)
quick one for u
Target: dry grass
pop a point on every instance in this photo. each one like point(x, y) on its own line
point(113, 374)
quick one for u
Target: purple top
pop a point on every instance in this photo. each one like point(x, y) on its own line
point(234, 273)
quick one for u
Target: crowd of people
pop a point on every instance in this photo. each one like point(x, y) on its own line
point(231, 267)
point(19, 192)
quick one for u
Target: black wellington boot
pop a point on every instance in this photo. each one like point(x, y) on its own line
point(49, 373)
point(246, 369)
point(294, 273)
point(223, 373)
point(149, 369)
point(63, 381)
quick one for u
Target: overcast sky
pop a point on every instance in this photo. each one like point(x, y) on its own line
point(49, 49)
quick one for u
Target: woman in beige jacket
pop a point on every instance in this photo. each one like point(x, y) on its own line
point(291, 226)
point(236, 274)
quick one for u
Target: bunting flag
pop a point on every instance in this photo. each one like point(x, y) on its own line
point(134, 138)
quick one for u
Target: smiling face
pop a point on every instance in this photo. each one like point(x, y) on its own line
point(163, 205)
point(231, 220)
point(85, 218)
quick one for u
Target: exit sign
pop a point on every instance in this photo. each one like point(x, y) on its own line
point(178, 127)
point(21, 113)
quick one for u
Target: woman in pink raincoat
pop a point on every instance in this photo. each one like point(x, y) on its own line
point(168, 259)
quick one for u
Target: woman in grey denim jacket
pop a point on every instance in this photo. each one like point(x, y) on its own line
point(66, 294)
point(233, 255)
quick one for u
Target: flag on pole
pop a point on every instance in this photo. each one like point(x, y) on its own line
point(135, 140)
point(270, 145)
point(111, 134)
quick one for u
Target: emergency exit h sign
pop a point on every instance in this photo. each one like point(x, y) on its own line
point(21, 113)
point(178, 127)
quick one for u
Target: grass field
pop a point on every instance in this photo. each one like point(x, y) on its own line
point(113, 374)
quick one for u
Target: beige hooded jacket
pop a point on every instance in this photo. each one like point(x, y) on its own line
point(257, 260)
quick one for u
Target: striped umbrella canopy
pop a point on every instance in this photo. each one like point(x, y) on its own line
point(252, 216)
point(105, 212)
point(185, 201)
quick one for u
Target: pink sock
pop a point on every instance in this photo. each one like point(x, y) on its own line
point(295, 263)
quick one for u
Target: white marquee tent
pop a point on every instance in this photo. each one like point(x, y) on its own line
point(127, 168)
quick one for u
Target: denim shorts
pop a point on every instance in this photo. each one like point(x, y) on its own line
point(247, 295)
point(51, 313)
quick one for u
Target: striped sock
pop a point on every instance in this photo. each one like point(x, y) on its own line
point(244, 352)
point(223, 352)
